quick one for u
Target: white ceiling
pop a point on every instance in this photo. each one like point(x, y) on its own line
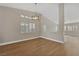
point(49, 10)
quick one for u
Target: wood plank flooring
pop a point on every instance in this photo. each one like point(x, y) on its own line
point(71, 45)
point(34, 47)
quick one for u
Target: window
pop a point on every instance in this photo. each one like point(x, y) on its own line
point(27, 26)
point(64, 28)
point(22, 27)
point(31, 27)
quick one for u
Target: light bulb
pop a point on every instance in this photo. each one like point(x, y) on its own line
point(22, 16)
point(26, 17)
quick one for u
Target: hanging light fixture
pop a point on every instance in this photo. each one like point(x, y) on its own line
point(22, 16)
point(30, 17)
point(35, 17)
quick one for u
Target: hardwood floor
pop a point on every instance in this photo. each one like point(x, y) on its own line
point(71, 45)
point(35, 47)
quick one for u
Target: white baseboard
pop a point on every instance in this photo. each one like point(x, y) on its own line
point(52, 39)
point(1, 44)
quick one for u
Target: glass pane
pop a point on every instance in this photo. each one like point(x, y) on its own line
point(31, 27)
point(22, 28)
point(24, 25)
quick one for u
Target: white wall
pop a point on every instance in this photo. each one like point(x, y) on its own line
point(49, 18)
point(51, 29)
point(48, 28)
point(10, 29)
point(71, 12)
point(49, 22)
point(71, 17)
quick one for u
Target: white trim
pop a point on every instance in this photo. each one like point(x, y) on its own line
point(52, 39)
point(6, 43)
point(1, 44)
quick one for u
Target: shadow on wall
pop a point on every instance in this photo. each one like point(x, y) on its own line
point(1, 37)
point(48, 28)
